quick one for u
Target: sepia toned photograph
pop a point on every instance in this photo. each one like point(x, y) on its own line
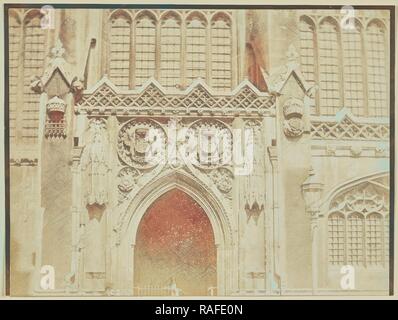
point(180, 151)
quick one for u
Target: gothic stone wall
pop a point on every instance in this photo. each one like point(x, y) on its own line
point(270, 35)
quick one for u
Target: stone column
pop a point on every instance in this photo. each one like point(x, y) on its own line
point(56, 141)
point(294, 152)
point(279, 278)
point(73, 278)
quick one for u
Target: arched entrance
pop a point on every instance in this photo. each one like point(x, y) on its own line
point(128, 220)
point(175, 246)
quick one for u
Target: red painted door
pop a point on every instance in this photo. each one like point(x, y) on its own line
point(175, 243)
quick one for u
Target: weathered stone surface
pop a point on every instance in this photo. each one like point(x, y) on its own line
point(101, 82)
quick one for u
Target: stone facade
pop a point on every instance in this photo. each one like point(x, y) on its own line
point(86, 91)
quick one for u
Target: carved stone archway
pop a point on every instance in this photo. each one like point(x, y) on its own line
point(123, 259)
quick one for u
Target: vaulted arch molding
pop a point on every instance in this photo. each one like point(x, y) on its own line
point(379, 179)
point(214, 209)
point(186, 183)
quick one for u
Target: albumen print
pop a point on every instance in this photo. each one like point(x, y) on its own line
point(198, 150)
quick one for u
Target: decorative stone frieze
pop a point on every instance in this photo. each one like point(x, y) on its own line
point(153, 99)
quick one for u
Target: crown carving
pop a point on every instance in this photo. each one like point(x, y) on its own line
point(293, 108)
point(56, 109)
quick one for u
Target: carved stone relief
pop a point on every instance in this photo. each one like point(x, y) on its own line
point(134, 144)
point(254, 182)
point(214, 144)
point(223, 179)
point(95, 163)
point(293, 111)
point(127, 179)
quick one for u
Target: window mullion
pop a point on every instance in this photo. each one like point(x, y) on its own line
point(132, 54)
point(365, 247)
point(105, 48)
point(233, 56)
point(316, 70)
point(365, 72)
point(340, 63)
point(19, 97)
point(209, 79)
point(345, 240)
point(383, 241)
point(387, 63)
point(183, 53)
point(157, 50)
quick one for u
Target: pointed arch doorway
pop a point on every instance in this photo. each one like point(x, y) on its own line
point(122, 275)
point(175, 246)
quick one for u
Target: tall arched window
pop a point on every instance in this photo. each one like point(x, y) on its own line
point(358, 231)
point(349, 65)
point(221, 51)
point(13, 67)
point(33, 60)
point(145, 49)
point(377, 73)
point(195, 49)
point(355, 243)
point(336, 236)
point(119, 55)
point(172, 48)
point(307, 48)
point(170, 52)
point(329, 73)
point(353, 68)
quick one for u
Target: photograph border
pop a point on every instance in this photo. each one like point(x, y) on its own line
point(7, 6)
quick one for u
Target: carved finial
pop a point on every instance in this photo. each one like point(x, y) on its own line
point(36, 85)
point(311, 91)
point(58, 50)
point(56, 62)
point(77, 87)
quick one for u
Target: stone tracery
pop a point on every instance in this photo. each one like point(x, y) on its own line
point(346, 128)
point(358, 223)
